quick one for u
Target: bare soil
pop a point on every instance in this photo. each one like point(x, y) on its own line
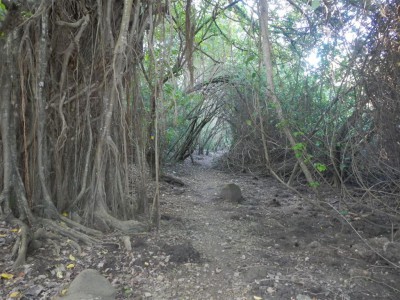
point(271, 246)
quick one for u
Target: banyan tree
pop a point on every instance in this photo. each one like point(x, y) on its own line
point(74, 129)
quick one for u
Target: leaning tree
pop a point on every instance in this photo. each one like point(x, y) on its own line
point(73, 121)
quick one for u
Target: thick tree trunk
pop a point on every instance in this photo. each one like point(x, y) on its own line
point(65, 116)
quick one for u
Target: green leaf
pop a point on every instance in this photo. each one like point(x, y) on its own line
point(249, 59)
point(320, 167)
point(315, 4)
point(314, 184)
point(299, 147)
point(248, 122)
point(298, 133)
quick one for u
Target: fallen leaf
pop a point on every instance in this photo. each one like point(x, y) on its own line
point(14, 230)
point(70, 266)
point(15, 294)
point(3, 235)
point(71, 257)
point(257, 298)
point(65, 214)
point(6, 276)
point(63, 292)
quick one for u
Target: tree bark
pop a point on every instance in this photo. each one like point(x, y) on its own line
point(266, 47)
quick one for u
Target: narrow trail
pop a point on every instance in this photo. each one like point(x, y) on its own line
point(208, 224)
point(221, 241)
point(271, 246)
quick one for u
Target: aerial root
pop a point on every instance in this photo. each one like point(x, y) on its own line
point(127, 227)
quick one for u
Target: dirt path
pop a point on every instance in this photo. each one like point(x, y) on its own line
point(271, 246)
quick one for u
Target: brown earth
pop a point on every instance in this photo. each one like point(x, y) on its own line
point(270, 246)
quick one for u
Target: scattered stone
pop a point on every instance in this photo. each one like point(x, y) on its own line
point(378, 242)
point(127, 243)
point(275, 203)
point(359, 273)
point(314, 245)
point(256, 272)
point(34, 291)
point(90, 284)
point(232, 193)
point(381, 245)
point(182, 253)
point(392, 251)
point(302, 297)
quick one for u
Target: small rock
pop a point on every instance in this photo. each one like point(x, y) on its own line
point(359, 273)
point(147, 295)
point(314, 244)
point(90, 284)
point(392, 251)
point(127, 243)
point(378, 242)
point(302, 297)
point(34, 291)
point(270, 290)
point(232, 193)
point(256, 272)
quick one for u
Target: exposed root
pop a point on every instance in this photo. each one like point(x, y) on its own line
point(127, 227)
point(52, 231)
point(81, 228)
point(76, 246)
point(172, 180)
point(20, 248)
point(69, 232)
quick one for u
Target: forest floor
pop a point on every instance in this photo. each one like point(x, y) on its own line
point(271, 246)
